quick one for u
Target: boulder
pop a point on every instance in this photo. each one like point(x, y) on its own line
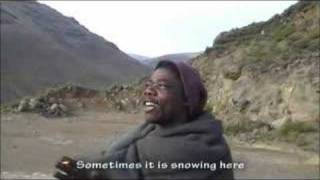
point(52, 100)
point(241, 103)
point(34, 103)
point(63, 108)
point(23, 105)
point(55, 110)
point(232, 72)
point(53, 107)
point(277, 124)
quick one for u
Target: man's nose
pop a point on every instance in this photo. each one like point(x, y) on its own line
point(149, 91)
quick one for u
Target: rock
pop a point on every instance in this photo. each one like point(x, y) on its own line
point(232, 72)
point(119, 107)
point(53, 107)
point(252, 140)
point(241, 103)
point(124, 102)
point(243, 137)
point(23, 105)
point(255, 132)
point(63, 108)
point(55, 110)
point(60, 100)
point(253, 117)
point(265, 129)
point(52, 100)
point(81, 105)
point(246, 137)
point(277, 124)
point(34, 103)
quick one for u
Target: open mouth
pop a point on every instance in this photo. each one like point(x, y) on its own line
point(150, 106)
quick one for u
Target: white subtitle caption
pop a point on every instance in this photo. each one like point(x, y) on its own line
point(161, 165)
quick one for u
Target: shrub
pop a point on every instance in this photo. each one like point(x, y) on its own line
point(283, 32)
point(208, 50)
point(293, 128)
point(5, 109)
point(314, 33)
point(243, 125)
point(295, 36)
point(301, 43)
point(314, 45)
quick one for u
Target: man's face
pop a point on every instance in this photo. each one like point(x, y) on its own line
point(163, 97)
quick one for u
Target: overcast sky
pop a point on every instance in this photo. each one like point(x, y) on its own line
point(154, 28)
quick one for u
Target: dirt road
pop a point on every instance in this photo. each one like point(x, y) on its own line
point(31, 144)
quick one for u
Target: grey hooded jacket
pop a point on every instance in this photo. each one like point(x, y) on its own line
point(197, 142)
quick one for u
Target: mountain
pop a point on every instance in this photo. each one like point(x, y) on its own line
point(41, 48)
point(138, 57)
point(174, 57)
point(141, 59)
point(267, 73)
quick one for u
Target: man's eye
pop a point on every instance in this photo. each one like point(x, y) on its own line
point(147, 84)
point(157, 85)
point(163, 85)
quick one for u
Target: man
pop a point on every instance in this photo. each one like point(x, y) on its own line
point(178, 140)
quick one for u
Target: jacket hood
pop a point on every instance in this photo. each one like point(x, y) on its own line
point(193, 87)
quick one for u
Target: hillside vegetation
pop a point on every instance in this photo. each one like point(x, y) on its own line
point(264, 78)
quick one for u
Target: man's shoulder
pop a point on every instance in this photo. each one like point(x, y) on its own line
point(205, 115)
point(206, 118)
point(132, 136)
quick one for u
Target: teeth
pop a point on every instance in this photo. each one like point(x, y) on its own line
point(150, 104)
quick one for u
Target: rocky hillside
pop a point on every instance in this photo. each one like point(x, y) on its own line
point(267, 72)
point(42, 48)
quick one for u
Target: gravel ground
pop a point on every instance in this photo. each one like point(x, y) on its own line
point(31, 144)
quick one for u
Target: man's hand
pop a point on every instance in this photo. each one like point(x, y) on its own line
point(67, 169)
